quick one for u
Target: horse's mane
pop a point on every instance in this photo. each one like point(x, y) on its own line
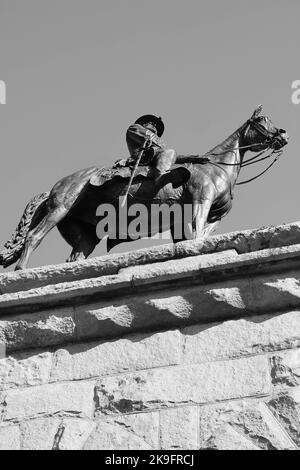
point(226, 143)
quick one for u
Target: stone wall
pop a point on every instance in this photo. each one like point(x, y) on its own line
point(176, 347)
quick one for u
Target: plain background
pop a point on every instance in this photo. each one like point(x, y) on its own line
point(78, 72)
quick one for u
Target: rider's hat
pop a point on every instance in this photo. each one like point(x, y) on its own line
point(157, 121)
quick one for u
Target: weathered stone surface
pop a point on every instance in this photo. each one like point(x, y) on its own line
point(243, 241)
point(214, 267)
point(25, 370)
point(179, 428)
point(173, 269)
point(286, 408)
point(103, 320)
point(111, 437)
point(82, 361)
point(56, 294)
point(2, 350)
point(166, 309)
point(241, 337)
point(39, 434)
point(132, 432)
point(126, 354)
point(258, 239)
point(280, 291)
point(72, 434)
point(143, 425)
point(285, 368)
point(177, 385)
point(246, 425)
point(10, 438)
point(188, 304)
point(227, 438)
point(190, 296)
point(36, 330)
point(55, 433)
point(68, 398)
point(153, 311)
point(229, 385)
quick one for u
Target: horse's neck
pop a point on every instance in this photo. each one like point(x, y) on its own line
point(229, 152)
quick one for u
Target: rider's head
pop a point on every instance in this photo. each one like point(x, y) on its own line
point(153, 123)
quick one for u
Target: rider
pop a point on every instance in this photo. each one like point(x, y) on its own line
point(148, 130)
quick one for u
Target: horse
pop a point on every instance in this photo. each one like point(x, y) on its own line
point(72, 203)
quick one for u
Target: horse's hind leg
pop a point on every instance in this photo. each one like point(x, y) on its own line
point(81, 236)
point(36, 235)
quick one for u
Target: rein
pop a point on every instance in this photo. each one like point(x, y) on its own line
point(252, 160)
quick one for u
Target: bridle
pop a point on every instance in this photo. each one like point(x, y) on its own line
point(272, 137)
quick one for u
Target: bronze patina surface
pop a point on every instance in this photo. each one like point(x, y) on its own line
point(205, 182)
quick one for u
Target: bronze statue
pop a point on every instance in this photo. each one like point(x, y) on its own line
point(207, 182)
point(146, 147)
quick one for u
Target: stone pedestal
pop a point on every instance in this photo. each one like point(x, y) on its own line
point(187, 346)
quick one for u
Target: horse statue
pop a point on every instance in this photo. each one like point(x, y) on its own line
point(72, 203)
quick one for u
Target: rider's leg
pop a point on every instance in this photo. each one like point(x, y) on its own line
point(164, 161)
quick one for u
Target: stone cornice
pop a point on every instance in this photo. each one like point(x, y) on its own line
point(245, 241)
point(237, 274)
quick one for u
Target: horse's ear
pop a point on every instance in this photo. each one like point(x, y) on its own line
point(257, 112)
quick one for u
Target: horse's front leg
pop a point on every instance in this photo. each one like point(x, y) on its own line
point(201, 208)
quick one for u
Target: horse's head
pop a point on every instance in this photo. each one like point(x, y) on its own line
point(261, 134)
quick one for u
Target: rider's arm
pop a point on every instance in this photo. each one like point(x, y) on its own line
point(139, 134)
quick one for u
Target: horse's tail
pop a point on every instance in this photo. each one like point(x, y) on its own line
point(30, 218)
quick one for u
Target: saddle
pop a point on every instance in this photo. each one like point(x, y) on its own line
point(104, 175)
point(121, 170)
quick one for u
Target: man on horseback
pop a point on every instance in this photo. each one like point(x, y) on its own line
point(73, 202)
point(146, 132)
point(147, 148)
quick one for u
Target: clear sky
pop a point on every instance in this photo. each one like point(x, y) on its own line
point(78, 72)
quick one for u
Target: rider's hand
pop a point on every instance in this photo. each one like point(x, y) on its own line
point(149, 142)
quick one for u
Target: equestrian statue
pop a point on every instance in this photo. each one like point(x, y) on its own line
point(153, 174)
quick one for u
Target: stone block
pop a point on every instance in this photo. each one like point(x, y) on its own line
point(35, 330)
point(25, 370)
point(135, 352)
point(286, 408)
point(55, 433)
point(131, 432)
point(181, 385)
point(241, 337)
point(10, 437)
point(73, 433)
point(245, 425)
point(39, 434)
point(285, 368)
point(75, 399)
point(179, 428)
